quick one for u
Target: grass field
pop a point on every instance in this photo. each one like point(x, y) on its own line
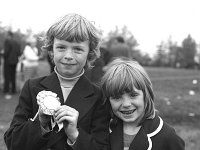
point(177, 94)
point(178, 99)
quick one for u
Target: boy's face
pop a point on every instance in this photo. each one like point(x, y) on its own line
point(129, 107)
point(70, 57)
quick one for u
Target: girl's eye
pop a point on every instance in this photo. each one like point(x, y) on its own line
point(116, 98)
point(134, 95)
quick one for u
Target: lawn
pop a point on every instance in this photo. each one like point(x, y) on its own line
point(177, 93)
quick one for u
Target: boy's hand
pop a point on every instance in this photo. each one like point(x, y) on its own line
point(69, 117)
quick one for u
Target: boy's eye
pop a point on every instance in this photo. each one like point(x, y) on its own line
point(78, 49)
point(60, 47)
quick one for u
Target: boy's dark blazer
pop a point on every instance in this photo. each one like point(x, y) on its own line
point(85, 97)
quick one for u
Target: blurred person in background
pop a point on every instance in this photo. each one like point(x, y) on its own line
point(30, 59)
point(96, 72)
point(11, 58)
point(1, 68)
point(135, 124)
point(118, 48)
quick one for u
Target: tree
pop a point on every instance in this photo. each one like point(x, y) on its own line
point(172, 51)
point(161, 57)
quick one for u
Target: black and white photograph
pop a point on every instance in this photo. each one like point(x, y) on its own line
point(99, 75)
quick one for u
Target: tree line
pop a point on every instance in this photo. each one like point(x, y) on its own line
point(168, 54)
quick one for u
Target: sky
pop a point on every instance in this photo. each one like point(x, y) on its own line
point(150, 21)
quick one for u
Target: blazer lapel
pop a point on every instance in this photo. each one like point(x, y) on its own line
point(51, 83)
point(81, 97)
point(140, 141)
point(116, 137)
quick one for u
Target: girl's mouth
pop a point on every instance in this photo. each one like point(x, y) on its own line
point(128, 112)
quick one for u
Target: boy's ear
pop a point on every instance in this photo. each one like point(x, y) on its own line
point(50, 53)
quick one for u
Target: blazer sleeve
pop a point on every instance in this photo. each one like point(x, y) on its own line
point(98, 138)
point(24, 134)
point(175, 142)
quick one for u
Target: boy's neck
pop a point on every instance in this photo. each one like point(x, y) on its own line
point(65, 78)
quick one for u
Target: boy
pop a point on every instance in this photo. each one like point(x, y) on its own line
point(73, 43)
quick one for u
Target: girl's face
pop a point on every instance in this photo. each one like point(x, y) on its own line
point(129, 107)
point(70, 57)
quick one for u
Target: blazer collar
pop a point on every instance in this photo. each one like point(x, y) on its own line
point(142, 140)
point(150, 127)
point(50, 83)
point(80, 97)
point(116, 137)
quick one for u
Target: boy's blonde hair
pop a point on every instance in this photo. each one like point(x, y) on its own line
point(75, 28)
point(123, 75)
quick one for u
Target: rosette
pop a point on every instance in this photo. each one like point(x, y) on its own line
point(48, 102)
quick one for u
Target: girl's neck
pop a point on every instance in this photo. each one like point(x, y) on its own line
point(133, 127)
point(130, 128)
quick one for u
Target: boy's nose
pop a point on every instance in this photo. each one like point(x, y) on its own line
point(68, 54)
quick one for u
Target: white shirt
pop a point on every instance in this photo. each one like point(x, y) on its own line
point(30, 56)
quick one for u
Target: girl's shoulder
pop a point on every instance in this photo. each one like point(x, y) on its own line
point(166, 132)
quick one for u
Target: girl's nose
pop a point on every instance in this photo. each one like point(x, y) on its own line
point(126, 102)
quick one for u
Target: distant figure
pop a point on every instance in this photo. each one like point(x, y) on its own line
point(119, 49)
point(31, 59)
point(1, 67)
point(11, 56)
point(96, 72)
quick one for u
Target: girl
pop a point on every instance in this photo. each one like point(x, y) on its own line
point(135, 124)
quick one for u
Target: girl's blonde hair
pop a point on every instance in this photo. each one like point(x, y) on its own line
point(75, 28)
point(123, 75)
